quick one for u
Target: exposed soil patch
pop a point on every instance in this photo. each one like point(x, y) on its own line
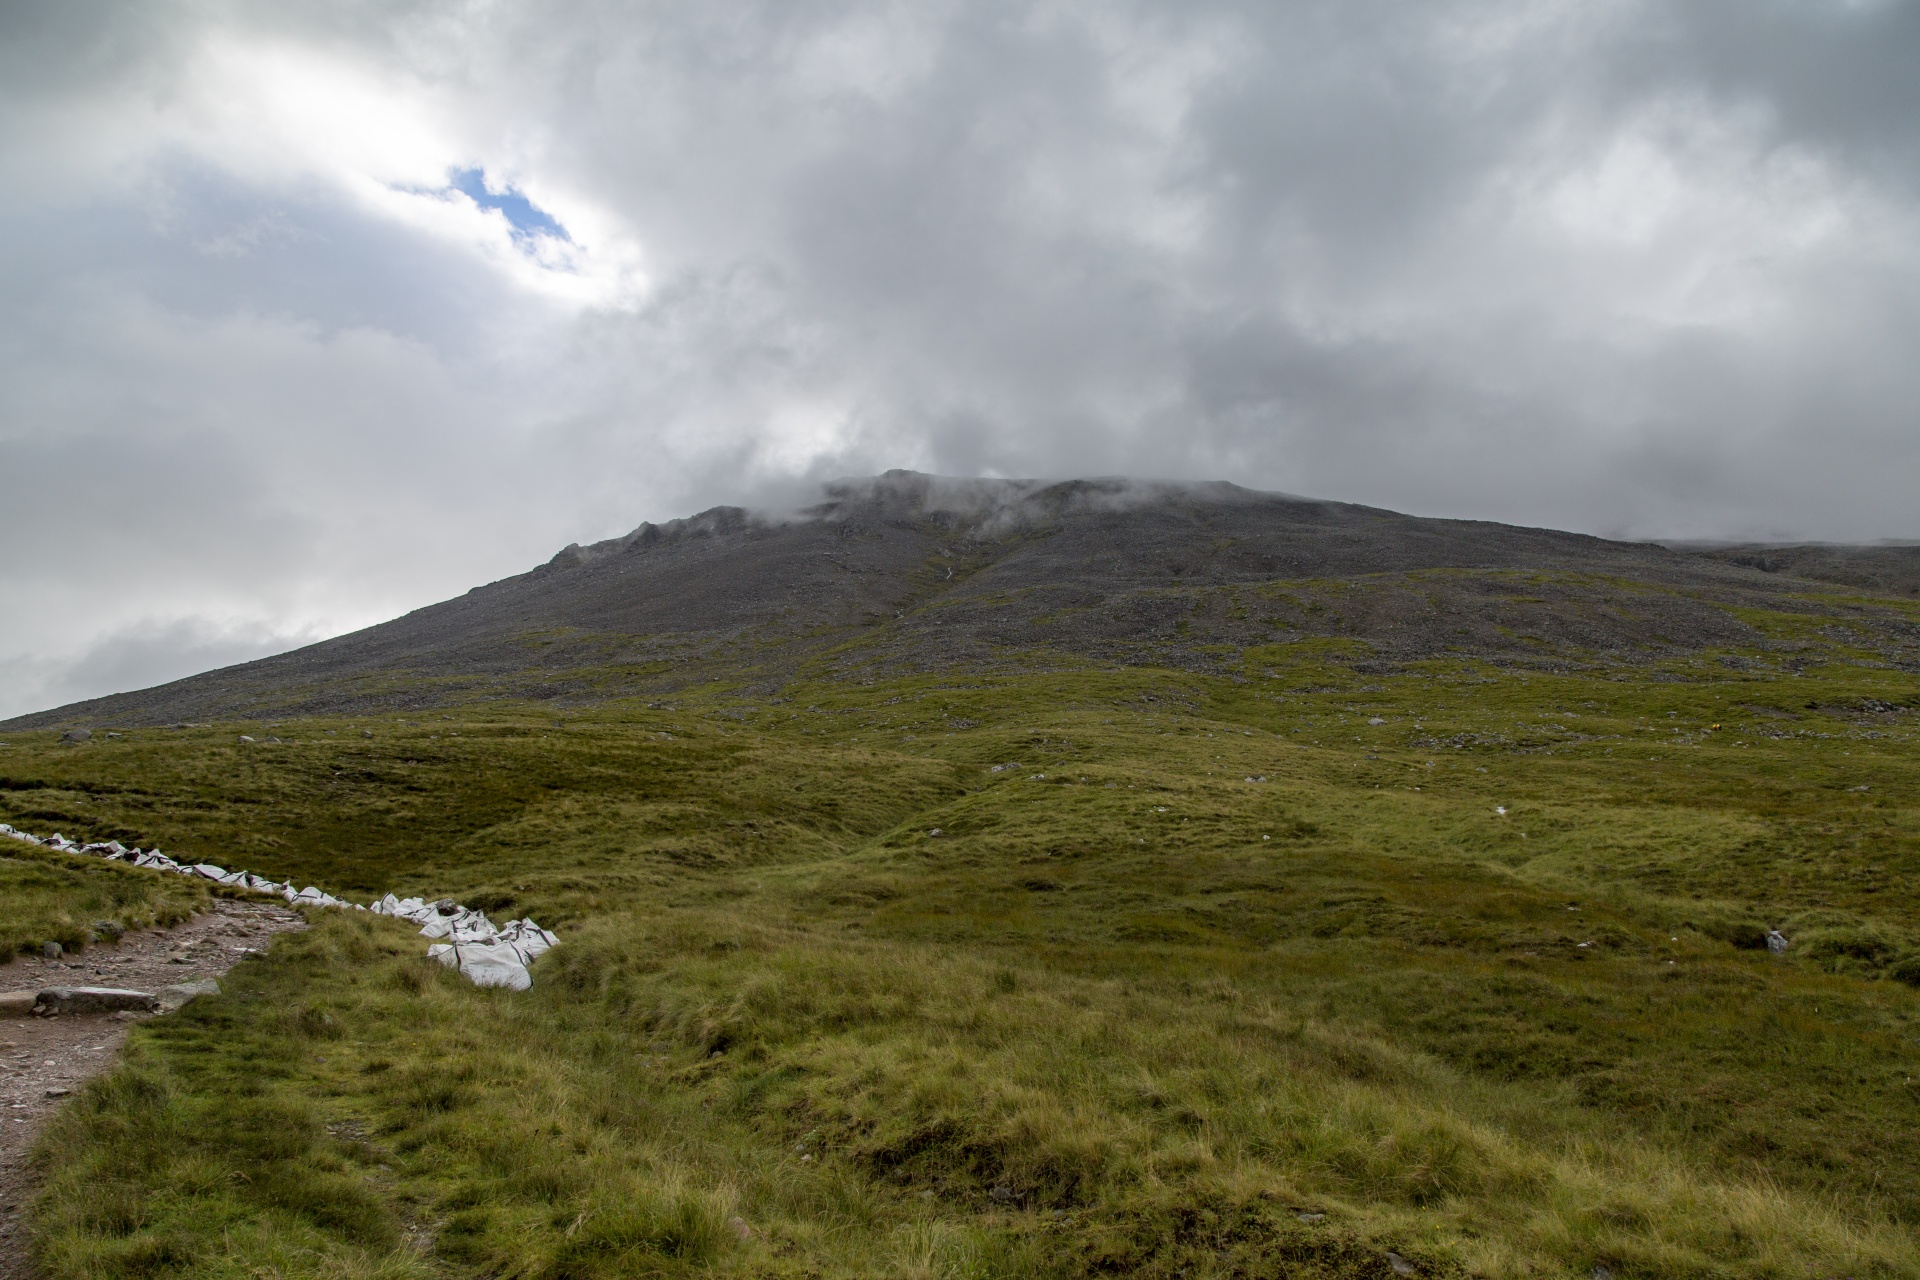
point(43, 1060)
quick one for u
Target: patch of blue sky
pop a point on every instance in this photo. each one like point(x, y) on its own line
point(525, 217)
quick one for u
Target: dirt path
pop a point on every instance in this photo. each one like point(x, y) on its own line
point(42, 1060)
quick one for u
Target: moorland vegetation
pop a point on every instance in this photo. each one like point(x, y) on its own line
point(1283, 960)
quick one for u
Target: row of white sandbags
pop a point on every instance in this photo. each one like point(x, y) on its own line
point(490, 955)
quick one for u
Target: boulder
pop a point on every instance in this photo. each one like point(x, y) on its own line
point(94, 1000)
point(17, 1004)
point(180, 993)
point(76, 735)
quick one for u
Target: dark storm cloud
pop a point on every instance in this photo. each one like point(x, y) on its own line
point(268, 369)
point(1834, 76)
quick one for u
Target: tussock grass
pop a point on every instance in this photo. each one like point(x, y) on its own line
point(58, 897)
point(1221, 978)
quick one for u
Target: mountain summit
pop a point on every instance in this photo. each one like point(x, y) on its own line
point(907, 570)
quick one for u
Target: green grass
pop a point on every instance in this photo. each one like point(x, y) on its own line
point(1127, 1013)
point(52, 897)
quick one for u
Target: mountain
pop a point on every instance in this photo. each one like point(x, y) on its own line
point(910, 571)
point(1891, 569)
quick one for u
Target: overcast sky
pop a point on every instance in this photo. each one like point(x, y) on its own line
point(311, 313)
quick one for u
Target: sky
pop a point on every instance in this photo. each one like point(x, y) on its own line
point(313, 313)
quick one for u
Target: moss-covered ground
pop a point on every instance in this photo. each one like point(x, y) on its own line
point(1082, 971)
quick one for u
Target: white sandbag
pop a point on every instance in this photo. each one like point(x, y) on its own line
point(493, 965)
point(528, 936)
point(497, 965)
point(210, 871)
point(472, 926)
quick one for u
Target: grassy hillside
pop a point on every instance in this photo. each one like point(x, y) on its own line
point(1045, 969)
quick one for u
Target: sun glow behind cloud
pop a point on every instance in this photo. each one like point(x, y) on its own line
point(280, 115)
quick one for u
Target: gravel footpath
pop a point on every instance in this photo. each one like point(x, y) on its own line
point(43, 1060)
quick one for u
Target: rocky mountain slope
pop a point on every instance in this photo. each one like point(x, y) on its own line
point(916, 571)
point(1884, 569)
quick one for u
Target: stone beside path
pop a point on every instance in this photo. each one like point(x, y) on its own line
point(44, 1059)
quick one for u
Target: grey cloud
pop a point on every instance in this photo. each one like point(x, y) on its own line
point(1831, 74)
